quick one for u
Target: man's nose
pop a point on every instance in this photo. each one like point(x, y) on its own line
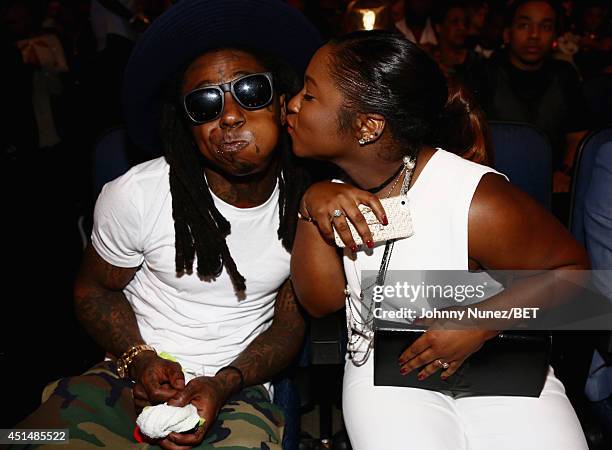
point(534, 32)
point(232, 115)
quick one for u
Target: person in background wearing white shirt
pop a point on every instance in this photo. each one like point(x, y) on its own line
point(416, 25)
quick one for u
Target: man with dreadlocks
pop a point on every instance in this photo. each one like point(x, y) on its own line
point(223, 198)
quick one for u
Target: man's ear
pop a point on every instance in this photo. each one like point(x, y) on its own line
point(368, 127)
point(282, 100)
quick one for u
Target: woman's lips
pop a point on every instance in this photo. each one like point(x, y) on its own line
point(289, 126)
point(232, 147)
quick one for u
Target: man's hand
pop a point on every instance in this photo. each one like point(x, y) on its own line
point(157, 380)
point(208, 395)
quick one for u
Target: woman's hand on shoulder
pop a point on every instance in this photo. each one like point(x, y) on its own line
point(321, 202)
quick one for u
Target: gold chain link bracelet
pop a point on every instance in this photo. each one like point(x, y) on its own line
point(123, 363)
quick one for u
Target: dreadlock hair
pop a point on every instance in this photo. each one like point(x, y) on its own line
point(200, 229)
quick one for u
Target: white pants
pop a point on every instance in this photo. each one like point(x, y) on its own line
point(398, 418)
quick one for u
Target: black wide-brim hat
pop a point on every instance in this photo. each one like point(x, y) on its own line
point(190, 28)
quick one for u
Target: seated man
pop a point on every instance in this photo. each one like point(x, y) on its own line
point(186, 282)
point(525, 84)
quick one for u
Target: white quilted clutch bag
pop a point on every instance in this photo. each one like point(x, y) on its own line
point(398, 215)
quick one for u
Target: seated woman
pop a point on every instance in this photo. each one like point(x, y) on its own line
point(370, 100)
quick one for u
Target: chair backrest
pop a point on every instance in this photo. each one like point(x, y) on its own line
point(583, 168)
point(523, 153)
point(111, 157)
point(597, 93)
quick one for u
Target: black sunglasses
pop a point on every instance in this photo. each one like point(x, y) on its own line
point(253, 91)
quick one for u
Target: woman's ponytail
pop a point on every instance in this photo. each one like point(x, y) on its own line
point(465, 130)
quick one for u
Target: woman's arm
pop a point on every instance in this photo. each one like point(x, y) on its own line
point(322, 198)
point(507, 230)
point(316, 272)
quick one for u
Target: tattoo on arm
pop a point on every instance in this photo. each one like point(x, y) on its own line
point(101, 306)
point(276, 347)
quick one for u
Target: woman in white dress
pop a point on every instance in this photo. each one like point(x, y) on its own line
point(370, 100)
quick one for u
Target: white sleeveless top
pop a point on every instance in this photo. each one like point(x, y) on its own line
point(439, 203)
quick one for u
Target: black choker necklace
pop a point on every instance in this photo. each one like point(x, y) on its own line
point(378, 188)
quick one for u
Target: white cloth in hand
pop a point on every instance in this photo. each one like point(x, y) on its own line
point(159, 421)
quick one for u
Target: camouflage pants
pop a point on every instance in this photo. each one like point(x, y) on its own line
point(98, 409)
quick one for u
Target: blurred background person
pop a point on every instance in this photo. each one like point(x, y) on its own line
point(416, 25)
point(594, 39)
point(477, 12)
point(524, 84)
point(492, 35)
point(18, 125)
point(450, 22)
point(116, 25)
point(125, 18)
point(593, 25)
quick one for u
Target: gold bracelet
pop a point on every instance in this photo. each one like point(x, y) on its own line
point(123, 363)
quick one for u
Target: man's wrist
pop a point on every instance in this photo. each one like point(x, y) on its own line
point(231, 379)
point(131, 355)
point(139, 362)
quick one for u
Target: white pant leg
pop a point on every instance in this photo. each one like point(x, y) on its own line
point(397, 418)
point(523, 423)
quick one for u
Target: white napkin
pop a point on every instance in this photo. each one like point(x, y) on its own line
point(159, 421)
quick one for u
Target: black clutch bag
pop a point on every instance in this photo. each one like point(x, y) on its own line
point(514, 363)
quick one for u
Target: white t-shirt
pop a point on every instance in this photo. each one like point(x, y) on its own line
point(428, 36)
point(105, 22)
point(203, 324)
